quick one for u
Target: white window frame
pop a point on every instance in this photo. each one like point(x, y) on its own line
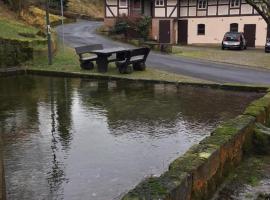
point(159, 3)
point(125, 5)
point(202, 4)
point(235, 4)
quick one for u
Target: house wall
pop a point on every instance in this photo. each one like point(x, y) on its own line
point(173, 29)
point(217, 13)
point(214, 35)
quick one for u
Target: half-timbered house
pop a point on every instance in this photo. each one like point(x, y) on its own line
point(193, 21)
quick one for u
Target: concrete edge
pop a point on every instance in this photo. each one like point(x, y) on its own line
point(226, 86)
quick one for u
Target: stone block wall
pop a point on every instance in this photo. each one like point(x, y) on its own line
point(200, 171)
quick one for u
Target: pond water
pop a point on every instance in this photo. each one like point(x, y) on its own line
point(92, 139)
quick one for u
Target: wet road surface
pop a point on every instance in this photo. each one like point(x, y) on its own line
point(83, 32)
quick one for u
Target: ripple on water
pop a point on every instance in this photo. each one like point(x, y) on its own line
point(80, 139)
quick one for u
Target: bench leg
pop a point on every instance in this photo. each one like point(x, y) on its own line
point(125, 69)
point(87, 65)
point(139, 66)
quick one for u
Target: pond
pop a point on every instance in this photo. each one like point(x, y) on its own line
point(94, 139)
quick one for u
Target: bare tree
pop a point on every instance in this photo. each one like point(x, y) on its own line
point(262, 7)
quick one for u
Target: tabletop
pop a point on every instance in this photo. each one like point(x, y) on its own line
point(110, 50)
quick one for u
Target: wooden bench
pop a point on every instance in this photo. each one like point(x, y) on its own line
point(86, 62)
point(136, 58)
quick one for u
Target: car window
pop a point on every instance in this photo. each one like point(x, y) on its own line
point(232, 37)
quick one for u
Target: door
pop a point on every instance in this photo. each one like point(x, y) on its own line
point(183, 32)
point(164, 31)
point(268, 31)
point(250, 34)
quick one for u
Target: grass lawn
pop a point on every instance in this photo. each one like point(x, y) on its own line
point(67, 61)
point(255, 58)
point(13, 29)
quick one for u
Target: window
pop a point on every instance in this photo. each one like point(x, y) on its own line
point(202, 4)
point(159, 2)
point(137, 4)
point(235, 3)
point(234, 27)
point(201, 29)
point(123, 3)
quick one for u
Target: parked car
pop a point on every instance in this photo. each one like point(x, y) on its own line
point(267, 45)
point(234, 40)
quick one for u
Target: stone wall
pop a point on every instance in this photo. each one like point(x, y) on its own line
point(200, 171)
point(14, 52)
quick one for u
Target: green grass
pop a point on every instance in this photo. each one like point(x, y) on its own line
point(67, 61)
point(253, 58)
point(11, 30)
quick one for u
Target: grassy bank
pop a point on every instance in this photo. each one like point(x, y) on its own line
point(18, 31)
point(253, 58)
point(67, 61)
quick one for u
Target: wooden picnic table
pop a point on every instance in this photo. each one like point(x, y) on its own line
point(104, 55)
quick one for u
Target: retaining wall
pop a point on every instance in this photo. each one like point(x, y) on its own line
point(200, 171)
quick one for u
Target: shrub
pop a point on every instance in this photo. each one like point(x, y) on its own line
point(133, 27)
point(143, 27)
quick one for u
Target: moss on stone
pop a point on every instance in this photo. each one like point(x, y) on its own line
point(151, 188)
point(255, 111)
point(261, 140)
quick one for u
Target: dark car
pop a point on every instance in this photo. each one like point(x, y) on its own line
point(234, 40)
point(267, 46)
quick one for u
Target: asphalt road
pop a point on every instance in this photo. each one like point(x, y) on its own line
point(83, 33)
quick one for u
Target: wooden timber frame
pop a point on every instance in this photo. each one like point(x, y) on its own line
point(175, 10)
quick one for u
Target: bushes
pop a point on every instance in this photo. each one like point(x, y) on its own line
point(133, 27)
point(14, 52)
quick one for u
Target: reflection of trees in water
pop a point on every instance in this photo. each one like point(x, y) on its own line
point(19, 102)
point(63, 110)
point(129, 105)
point(57, 173)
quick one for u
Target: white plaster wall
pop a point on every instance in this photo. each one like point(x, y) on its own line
point(183, 12)
point(192, 11)
point(112, 2)
point(171, 2)
point(235, 11)
point(246, 9)
point(223, 10)
point(171, 10)
point(216, 27)
point(123, 11)
point(212, 10)
point(159, 12)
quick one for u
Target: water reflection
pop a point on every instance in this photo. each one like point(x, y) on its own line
point(93, 139)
